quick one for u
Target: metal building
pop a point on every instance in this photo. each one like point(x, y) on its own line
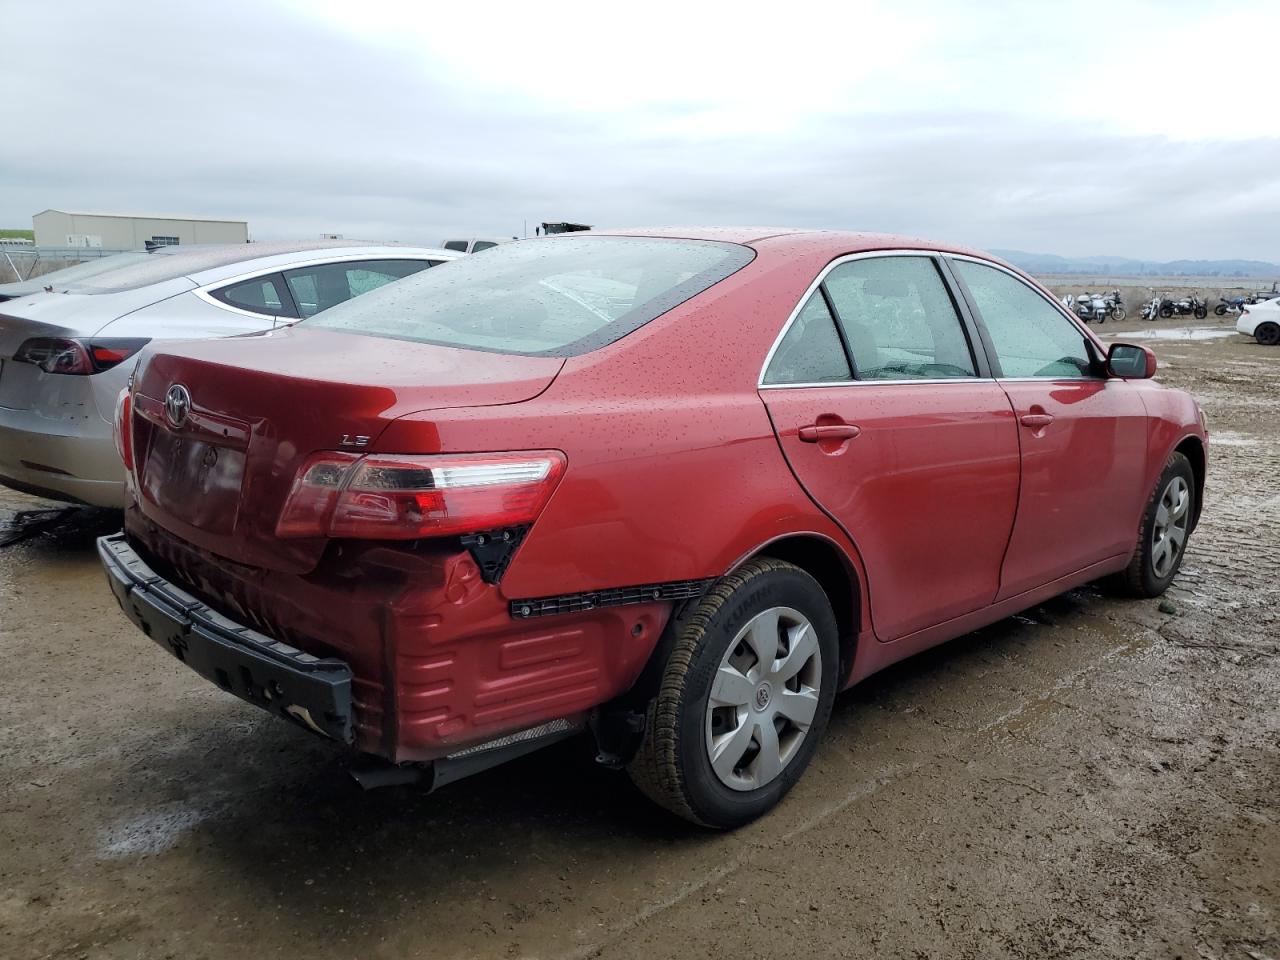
point(122, 231)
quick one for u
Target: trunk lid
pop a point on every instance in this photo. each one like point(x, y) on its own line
point(259, 405)
point(69, 315)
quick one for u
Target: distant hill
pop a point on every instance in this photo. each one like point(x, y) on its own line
point(1048, 263)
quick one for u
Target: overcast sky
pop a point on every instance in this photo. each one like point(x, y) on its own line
point(1122, 128)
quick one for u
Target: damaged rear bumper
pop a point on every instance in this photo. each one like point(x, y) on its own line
point(281, 679)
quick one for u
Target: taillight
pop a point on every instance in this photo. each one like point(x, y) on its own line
point(78, 357)
point(121, 428)
point(389, 497)
point(315, 493)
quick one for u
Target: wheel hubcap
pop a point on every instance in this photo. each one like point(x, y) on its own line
point(763, 698)
point(1169, 532)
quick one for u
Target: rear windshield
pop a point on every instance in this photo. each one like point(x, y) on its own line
point(549, 297)
point(169, 263)
point(59, 279)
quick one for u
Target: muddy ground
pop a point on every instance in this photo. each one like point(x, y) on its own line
point(1096, 778)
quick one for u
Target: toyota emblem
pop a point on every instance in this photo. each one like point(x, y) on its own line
point(177, 404)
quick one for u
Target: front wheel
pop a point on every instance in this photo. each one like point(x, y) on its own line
point(1267, 334)
point(1118, 314)
point(745, 697)
point(1166, 525)
point(1201, 312)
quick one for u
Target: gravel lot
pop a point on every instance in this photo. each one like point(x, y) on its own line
point(1096, 778)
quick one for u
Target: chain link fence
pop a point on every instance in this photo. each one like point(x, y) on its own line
point(22, 262)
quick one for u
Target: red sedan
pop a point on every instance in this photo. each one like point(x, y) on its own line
point(676, 487)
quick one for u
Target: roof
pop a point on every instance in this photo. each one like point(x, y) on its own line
point(725, 234)
point(799, 239)
point(139, 216)
point(204, 263)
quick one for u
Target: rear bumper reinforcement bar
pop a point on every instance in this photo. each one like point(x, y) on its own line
point(312, 691)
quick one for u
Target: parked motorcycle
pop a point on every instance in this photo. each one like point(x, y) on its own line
point(1099, 307)
point(1151, 309)
point(1230, 305)
point(1187, 306)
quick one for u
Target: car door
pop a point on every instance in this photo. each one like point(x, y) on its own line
point(890, 421)
point(1083, 435)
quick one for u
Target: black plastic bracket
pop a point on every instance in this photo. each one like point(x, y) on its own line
point(618, 730)
point(492, 550)
point(610, 597)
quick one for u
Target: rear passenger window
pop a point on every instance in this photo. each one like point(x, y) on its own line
point(1032, 339)
point(366, 275)
point(482, 245)
point(326, 285)
point(459, 245)
point(264, 295)
point(811, 351)
point(899, 320)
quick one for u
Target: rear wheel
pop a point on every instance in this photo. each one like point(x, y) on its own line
point(1220, 310)
point(1166, 525)
point(1267, 334)
point(1166, 312)
point(745, 697)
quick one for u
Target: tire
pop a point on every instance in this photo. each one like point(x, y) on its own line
point(1166, 312)
point(1267, 334)
point(1118, 314)
point(1220, 310)
point(1201, 312)
point(1171, 507)
point(674, 765)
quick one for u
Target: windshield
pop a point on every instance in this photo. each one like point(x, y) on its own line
point(548, 297)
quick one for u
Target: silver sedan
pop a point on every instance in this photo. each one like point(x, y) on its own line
point(66, 339)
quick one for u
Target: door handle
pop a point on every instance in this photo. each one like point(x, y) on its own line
point(1036, 420)
point(828, 431)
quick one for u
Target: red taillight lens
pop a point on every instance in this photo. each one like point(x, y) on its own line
point(56, 355)
point(387, 497)
point(315, 492)
point(121, 428)
point(78, 357)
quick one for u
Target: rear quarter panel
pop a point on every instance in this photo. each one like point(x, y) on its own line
point(673, 469)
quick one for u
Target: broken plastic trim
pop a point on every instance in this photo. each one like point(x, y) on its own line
point(372, 773)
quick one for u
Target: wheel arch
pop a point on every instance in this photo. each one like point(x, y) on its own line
point(618, 726)
point(823, 560)
point(1192, 447)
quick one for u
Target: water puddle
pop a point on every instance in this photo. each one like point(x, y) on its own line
point(1175, 333)
point(1229, 438)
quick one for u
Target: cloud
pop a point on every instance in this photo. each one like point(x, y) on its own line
point(995, 127)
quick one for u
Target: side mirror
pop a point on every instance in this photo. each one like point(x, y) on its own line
point(1131, 362)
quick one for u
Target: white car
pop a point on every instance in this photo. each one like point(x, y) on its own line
point(1262, 322)
point(67, 337)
